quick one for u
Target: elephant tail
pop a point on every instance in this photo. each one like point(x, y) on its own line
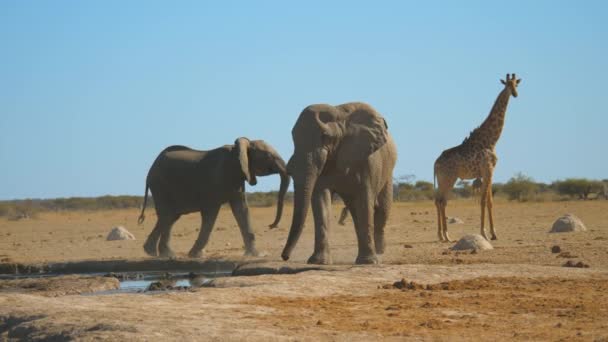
point(434, 179)
point(142, 217)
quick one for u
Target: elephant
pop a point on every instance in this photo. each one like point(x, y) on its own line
point(343, 213)
point(343, 216)
point(344, 149)
point(183, 180)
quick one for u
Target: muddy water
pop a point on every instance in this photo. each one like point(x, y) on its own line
point(128, 282)
point(164, 282)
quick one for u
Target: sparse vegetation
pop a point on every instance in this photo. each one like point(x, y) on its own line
point(578, 187)
point(266, 199)
point(18, 209)
point(521, 188)
point(405, 188)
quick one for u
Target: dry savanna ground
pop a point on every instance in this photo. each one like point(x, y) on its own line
point(519, 290)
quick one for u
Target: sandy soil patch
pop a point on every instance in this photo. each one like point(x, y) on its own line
point(519, 290)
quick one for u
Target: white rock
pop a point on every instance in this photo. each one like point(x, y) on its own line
point(568, 223)
point(472, 241)
point(455, 220)
point(120, 233)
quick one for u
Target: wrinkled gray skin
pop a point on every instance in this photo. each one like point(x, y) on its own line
point(183, 180)
point(344, 149)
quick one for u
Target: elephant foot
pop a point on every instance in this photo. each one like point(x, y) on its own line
point(195, 253)
point(252, 252)
point(380, 249)
point(320, 259)
point(166, 253)
point(285, 256)
point(367, 260)
point(150, 248)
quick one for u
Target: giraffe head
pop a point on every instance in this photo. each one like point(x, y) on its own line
point(511, 83)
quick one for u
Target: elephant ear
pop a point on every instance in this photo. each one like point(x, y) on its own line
point(366, 132)
point(242, 147)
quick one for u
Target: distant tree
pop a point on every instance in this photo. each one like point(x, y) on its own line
point(498, 188)
point(520, 187)
point(463, 189)
point(424, 190)
point(406, 188)
point(578, 187)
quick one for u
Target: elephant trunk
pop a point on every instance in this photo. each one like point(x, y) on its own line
point(282, 191)
point(302, 195)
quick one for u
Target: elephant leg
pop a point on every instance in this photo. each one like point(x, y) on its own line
point(321, 210)
point(364, 206)
point(381, 214)
point(240, 210)
point(151, 244)
point(166, 223)
point(208, 217)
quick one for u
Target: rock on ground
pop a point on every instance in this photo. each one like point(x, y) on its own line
point(455, 220)
point(568, 223)
point(120, 233)
point(472, 241)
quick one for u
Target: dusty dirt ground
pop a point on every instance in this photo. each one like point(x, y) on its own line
point(516, 291)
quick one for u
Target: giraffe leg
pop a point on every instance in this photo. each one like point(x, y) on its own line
point(490, 203)
point(484, 196)
point(490, 215)
point(439, 219)
point(445, 185)
point(444, 220)
point(486, 200)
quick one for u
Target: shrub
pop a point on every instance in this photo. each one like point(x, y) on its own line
point(578, 187)
point(463, 189)
point(266, 199)
point(498, 188)
point(521, 188)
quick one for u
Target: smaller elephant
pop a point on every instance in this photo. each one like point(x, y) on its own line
point(183, 180)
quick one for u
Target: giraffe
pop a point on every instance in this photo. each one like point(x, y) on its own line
point(474, 158)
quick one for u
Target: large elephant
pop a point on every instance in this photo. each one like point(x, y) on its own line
point(344, 149)
point(183, 180)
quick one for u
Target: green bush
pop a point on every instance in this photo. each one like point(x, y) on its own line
point(266, 199)
point(262, 199)
point(521, 188)
point(463, 189)
point(578, 187)
point(31, 207)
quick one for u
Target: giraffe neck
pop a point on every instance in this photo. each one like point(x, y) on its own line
point(489, 131)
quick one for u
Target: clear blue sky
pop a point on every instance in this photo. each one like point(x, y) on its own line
point(90, 92)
